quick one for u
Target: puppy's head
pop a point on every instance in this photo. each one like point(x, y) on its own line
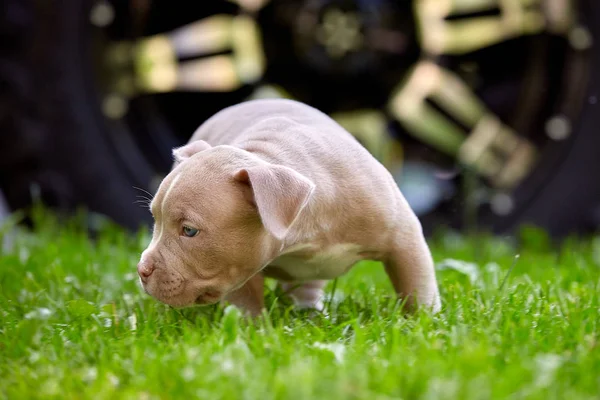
point(219, 216)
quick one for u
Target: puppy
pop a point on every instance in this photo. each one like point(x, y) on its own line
point(275, 188)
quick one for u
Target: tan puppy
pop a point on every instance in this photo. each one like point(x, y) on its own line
point(276, 188)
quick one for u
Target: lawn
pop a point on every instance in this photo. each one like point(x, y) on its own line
point(74, 324)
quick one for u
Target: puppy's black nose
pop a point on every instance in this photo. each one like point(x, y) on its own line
point(145, 269)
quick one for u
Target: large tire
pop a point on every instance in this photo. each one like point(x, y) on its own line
point(53, 135)
point(568, 200)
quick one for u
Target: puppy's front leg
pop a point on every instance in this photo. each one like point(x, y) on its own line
point(250, 297)
point(410, 268)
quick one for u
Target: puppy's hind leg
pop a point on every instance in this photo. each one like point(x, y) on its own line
point(306, 294)
point(410, 268)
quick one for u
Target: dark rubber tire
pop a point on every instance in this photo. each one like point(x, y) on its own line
point(53, 135)
point(568, 201)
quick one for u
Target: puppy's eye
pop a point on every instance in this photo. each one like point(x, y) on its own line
point(189, 232)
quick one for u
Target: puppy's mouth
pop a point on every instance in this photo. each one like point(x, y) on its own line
point(212, 296)
point(209, 296)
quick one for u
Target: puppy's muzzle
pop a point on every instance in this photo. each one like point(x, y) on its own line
point(145, 269)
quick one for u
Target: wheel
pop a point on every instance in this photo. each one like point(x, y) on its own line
point(484, 111)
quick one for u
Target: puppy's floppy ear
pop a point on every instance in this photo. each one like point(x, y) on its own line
point(182, 153)
point(279, 193)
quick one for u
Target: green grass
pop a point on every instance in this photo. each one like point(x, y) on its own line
point(75, 324)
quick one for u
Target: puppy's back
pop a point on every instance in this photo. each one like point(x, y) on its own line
point(227, 125)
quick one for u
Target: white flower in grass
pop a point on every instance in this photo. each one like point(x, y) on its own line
point(337, 349)
point(113, 379)
point(225, 361)
point(188, 373)
point(231, 356)
point(34, 357)
point(39, 313)
point(24, 256)
point(132, 319)
point(128, 299)
point(546, 367)
point(130, 276)
point(233, 311)
point(227, 365)
point(192, 353)
point(25, 296)
point(90, 374)
point(63, 336)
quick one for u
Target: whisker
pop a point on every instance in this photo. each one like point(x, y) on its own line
point(144, 191)
point(144, 198)
point(142, 203)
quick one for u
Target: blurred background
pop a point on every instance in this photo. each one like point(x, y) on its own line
point(485, 111)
